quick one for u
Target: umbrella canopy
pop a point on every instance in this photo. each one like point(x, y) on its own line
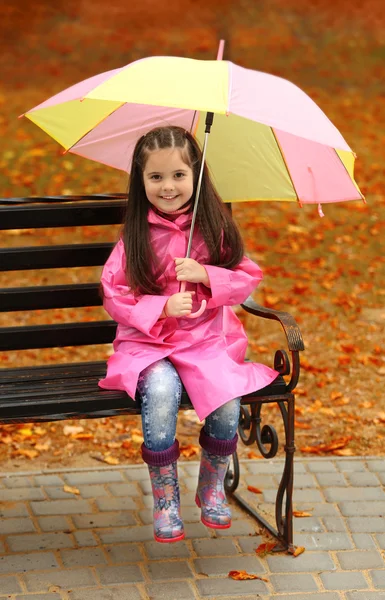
point(269, 141)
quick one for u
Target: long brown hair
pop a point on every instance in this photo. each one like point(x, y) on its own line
point(215, 222)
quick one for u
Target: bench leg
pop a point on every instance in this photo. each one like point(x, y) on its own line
point(284, 503)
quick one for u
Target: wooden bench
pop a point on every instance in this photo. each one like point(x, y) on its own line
point(70, 391)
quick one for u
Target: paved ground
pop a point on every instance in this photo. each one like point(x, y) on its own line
point(99, 545)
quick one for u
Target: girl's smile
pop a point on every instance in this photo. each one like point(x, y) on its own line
point(168, 180)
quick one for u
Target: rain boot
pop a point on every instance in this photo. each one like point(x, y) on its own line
point(162, 466)
point(210, 496)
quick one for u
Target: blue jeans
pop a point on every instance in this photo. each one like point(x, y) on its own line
point(160, 390)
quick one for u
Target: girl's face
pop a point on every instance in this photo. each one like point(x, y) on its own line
point(168, 180)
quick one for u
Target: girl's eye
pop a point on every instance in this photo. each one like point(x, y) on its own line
point(156, 177)
point(179, 175)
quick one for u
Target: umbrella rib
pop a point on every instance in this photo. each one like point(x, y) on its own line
point(287, 168)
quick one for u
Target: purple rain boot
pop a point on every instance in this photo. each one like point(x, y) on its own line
point(210, 496)
point(162, 466)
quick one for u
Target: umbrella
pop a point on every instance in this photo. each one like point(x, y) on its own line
point(270, 140)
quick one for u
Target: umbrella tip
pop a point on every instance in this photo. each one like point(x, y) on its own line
point(21, 116)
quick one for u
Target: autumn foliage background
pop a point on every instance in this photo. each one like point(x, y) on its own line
point(329, 273)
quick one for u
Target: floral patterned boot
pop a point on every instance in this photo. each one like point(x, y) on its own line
point(210, 496)
point(168, 525)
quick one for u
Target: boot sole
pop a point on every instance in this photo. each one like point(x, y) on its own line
point(169, 540)
point(207, 523)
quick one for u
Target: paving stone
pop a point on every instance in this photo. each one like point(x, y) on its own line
point(9, 585)
point(85, 538)
point(381, 540)
point(307, 524)
point(362, 509)
point(320, 596)
point(362, 479)
point(193, 513)
point(376, 465)
point(115, 519)
point(238, 527)
point(124, 553)
point(38, 597)
point(331, 479)
point(363, 541)
point(168, 570)
point(58, 493)
point(354, 494)
point(318, 509)
point(190, 483)
point(344, 581)
point(381, 477)
point(41, 582)
point(92, 491)
point(365, 595)
point(2, 549)
point(47, 480)
point(56, 523)
point(20, 525)
point(334, 524)
point(261, 481)
point(347, 466)
point(17, 482)
point(124, 489)
point(269, 467)
point(196, 530)
point(366, 524)
point(215, 547)
point(226, 586)
point(249, 544)
point(13, 509)
point(222, 565)
point(304, 480)
point(321, 467)
point(370, 559)
point(125, 574)
point(91, 477)
point(124, 534)
point(85, 557)
point(108, 504)
point(175, 590)
point(21, 494)
point(309, 561)
point(27, 562)
point(323, 541)
point(39, 541)
point(192, 469)
point(125, 592)
point(306, 495)
point(154, 550)
point(299, 582)
point(61, 507)
point(136, 474)
point(378, 578)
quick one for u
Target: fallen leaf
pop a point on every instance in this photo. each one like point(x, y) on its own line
point(301, 513)
point(28, 453)
point(265, 548)
point(299, 550)
point(253, 489)
point(253, 454)
point(137, 439)
point(243, 575)
point(111, 460)
point(71, 490)
point(72, 429)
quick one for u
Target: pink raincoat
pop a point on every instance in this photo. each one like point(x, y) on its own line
point(208, 352)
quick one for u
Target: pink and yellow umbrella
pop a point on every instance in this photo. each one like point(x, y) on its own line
point(270, 141)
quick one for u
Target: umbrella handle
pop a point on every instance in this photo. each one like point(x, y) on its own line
point(202, 308)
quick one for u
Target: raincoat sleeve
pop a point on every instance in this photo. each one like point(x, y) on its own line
point(232, 286)
point(140, 312)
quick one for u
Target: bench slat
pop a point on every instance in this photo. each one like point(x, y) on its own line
point(45, 297)
point(57, 336)
point(54, 257)
point(52, 372)
point(73, 214)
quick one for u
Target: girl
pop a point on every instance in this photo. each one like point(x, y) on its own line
point(157, 347)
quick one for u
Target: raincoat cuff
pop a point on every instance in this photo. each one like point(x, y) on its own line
point(146, 313)
point(220, 284)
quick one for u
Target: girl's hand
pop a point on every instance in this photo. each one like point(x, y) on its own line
point(179, 305)
point(188, 269)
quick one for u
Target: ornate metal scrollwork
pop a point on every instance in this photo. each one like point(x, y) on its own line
point(232, 475)
point(282, 362)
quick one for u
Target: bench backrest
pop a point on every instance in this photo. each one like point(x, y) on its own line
point(56, 212)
